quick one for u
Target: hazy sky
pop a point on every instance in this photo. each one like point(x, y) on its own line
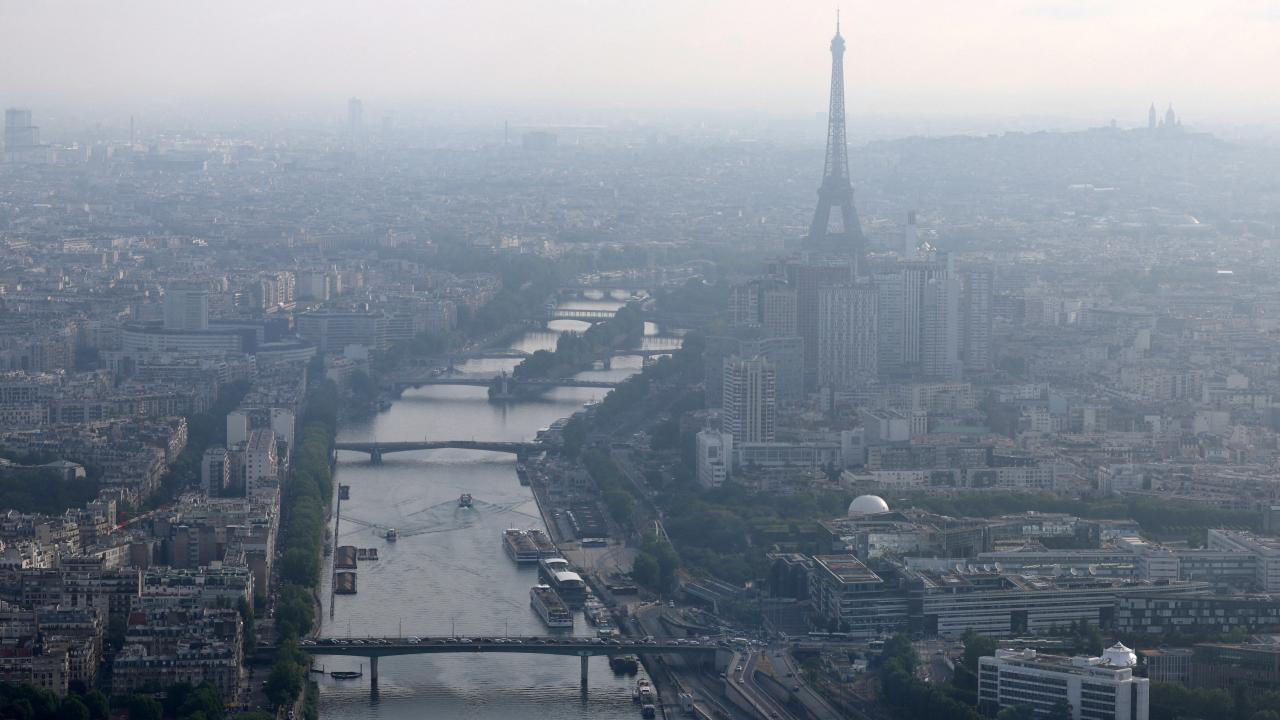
point(1215, 59)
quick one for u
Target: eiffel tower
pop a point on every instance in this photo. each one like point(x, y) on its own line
point(836, 190)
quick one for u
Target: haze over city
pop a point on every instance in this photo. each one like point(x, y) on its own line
point(591, 360)
point(1085, 61)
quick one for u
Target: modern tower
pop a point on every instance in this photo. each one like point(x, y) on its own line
point(910, 237)
point(750, 402)
point(186, 307)
point(976, 301)
point(21, 138)
point(848, 348)
point(836, 190)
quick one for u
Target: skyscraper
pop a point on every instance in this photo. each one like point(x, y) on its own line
point(767, 303)
point(750, 404)
point(21, 138)
point(1151, 117)
point(808, 276)
point(186, 307)
point(975, 303)
point(919, 318)
point(910, 237)
point(785, 354)
point(890, 316)
point(847, 336)
point(836, 190)
point(940, 326)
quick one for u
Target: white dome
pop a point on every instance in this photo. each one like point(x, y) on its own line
point(1119, 656)
point(868, 505)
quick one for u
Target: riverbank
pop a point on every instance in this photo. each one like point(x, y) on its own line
point(447, 574)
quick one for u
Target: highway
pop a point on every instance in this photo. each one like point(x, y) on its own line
point(706, 689)
point(747, 681)
point(816, 706)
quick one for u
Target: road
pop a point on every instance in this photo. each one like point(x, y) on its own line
point(748, 683)
point(705, 689)
point(812, 701)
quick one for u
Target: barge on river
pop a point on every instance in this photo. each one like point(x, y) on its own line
point(550, 607)
point(556, 572)
point(527, 546)
point(344, 583)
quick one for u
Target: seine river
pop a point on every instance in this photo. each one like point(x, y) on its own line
point(447, 574)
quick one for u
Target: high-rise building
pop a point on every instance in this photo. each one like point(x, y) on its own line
point(186, 307)
point(215, 471)
point(916, 276)
point(891, 314)
point(1089, 688)
point(808, 276)
point(848, 351)
point(744, 304)
point(767, 303)
point(836, 190)
point(930, 317)
point(940, 326)
point(975, 302)
point(238, 425)
point(750, 401)
point(910, 237)
point(778, 312)
point(261, 464)
point(786, 354)
point(21, 138)
point(1151, 117)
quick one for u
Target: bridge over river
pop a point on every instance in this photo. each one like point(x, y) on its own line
point(399, 383)
point(377, 449)
point(583, 648)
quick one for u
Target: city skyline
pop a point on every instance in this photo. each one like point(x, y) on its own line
point(1009, 58)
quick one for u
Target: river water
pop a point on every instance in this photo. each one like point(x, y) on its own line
point(448, 574)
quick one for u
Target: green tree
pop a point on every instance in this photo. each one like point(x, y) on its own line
point(976, 646)
point(300, 566)
point(72, 708)
point(246, 617)
point(203, 701)
point(99, 708)
point(645, 571)
point(295, 612)
point(284, 683)
point(1016, 712)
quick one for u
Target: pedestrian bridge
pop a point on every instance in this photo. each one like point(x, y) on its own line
point(376, 450)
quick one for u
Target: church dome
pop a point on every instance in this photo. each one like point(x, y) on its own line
point(867, 505)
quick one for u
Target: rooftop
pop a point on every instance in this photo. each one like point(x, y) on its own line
point(846, 568)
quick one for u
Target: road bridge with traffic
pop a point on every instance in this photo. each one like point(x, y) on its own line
point(583, 648)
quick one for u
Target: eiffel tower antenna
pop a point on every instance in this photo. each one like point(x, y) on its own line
point(836, 190)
